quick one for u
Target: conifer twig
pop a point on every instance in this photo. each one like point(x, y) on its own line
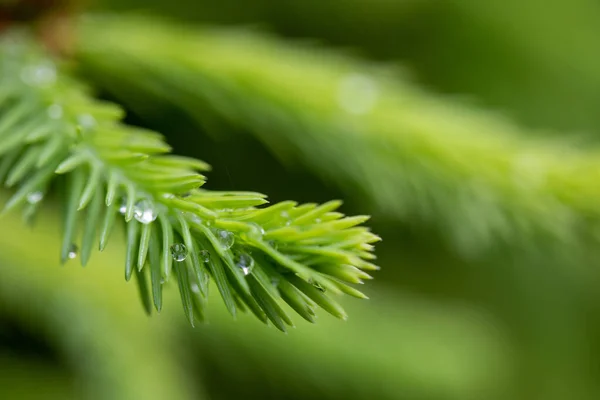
point(479, 179)
point(51, 126)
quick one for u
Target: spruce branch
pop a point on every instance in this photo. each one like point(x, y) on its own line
point(479, 179)
point(53, 130)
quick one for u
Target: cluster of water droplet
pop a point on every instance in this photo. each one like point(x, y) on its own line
point(44, 75)
point(145, 213)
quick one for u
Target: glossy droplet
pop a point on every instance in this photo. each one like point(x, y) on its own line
point(318, 221)
point(55, 111)
point(144, 212)
point(179, 252)
point(35, 197)
point(255, 232)
point(204, 255)
point(168, 196)
point(123, 208)
point(226, 238)
point(244, 262)
point(195, 288)
point(273, 244)
point(257, 229)
point(286, 216)
point(73, 250)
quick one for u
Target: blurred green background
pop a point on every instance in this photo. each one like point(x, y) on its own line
point(440, 325)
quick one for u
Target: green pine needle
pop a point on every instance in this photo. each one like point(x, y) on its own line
point(53, 131)
point(480, 181)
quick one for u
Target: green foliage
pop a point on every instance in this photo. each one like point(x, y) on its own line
point(479, 179)
point(518, 322)
point(412, 341)
point(51, 126)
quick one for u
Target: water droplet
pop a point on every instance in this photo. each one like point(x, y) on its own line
point(179, 252)
point(168, 196)
point(163, 281)
point(55, 111)
point(73, 250)
point(123, 208)
point(317, 220)
point(259, 229)
point(39, 75)
point(144, 212)
point(255, 232)
point(286, 216)
point(273, 244)
point(226, 238)
point(244, 262)
point(317, 285)
point(35, 197)
point(357, 93)
point(275, 281)
point(86, 121)
point(204, 255)
point(195, 288)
